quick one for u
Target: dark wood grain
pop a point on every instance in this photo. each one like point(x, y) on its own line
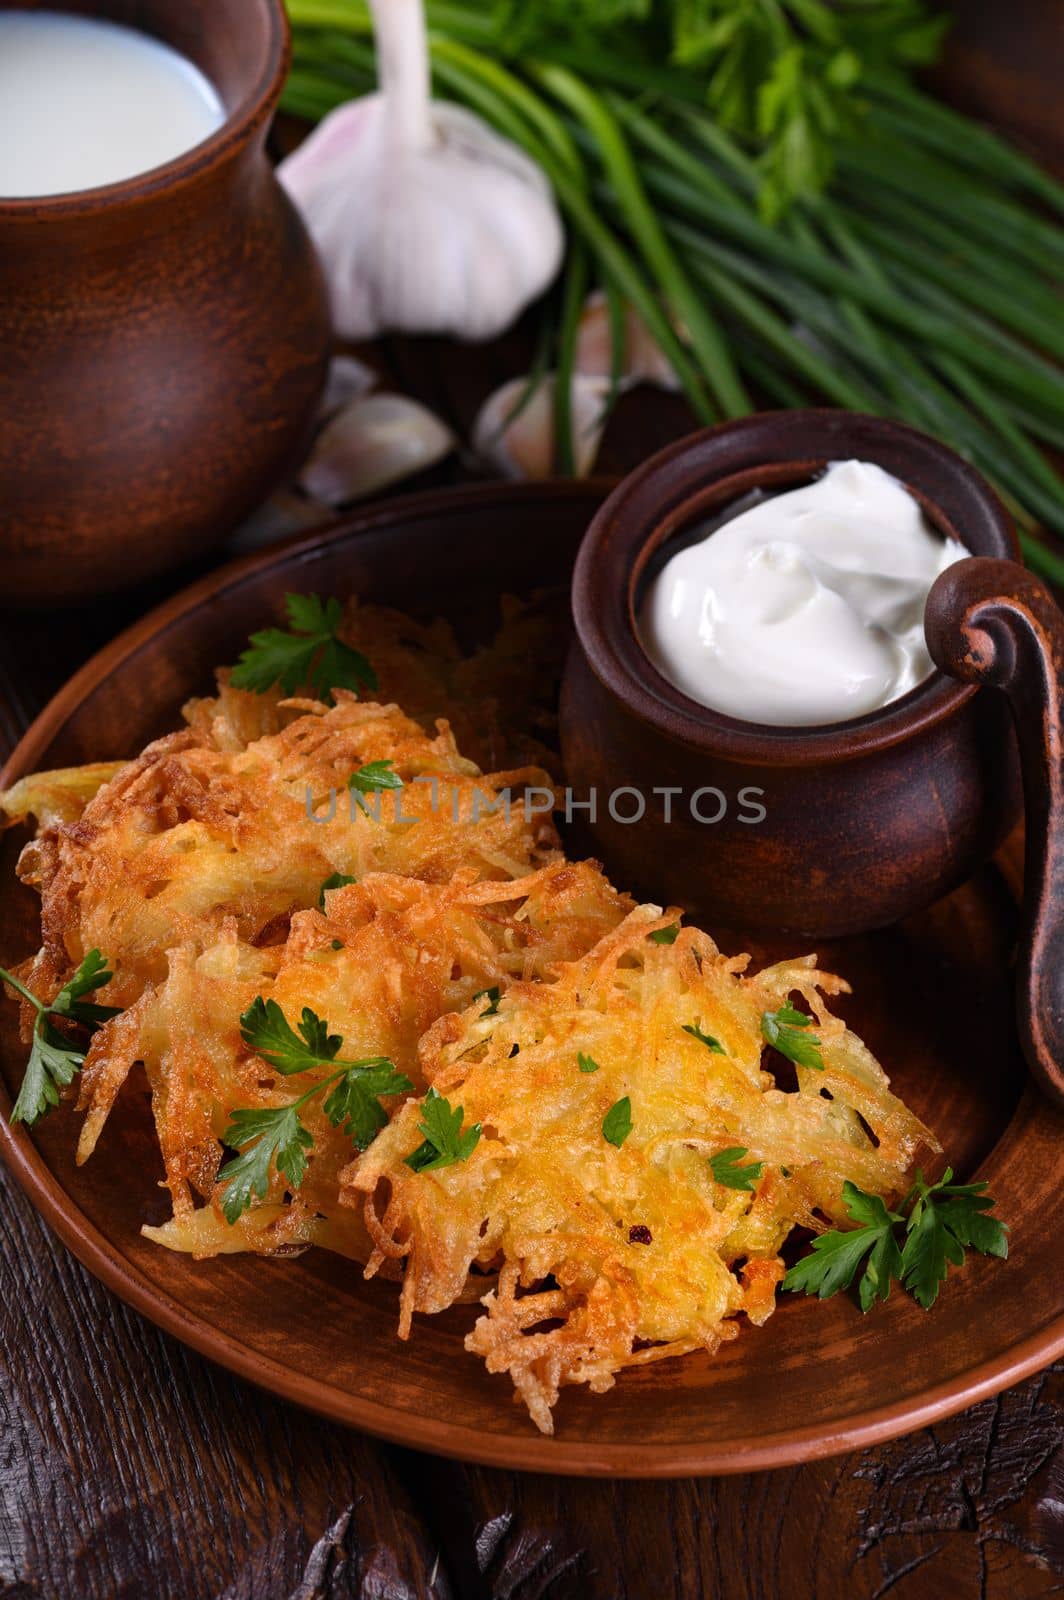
point(182, 1482)
point(133, 1467)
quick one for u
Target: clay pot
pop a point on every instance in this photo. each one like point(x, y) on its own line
point(864, 820)
point(163, 341)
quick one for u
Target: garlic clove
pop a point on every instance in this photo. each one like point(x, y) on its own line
point(522, 446)
point(644, 359)
point(374, 441)
point(284, 513)
point(348, 379)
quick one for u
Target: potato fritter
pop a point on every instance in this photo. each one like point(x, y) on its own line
point(189, 836)
point(612, 1255)
point(385, 959)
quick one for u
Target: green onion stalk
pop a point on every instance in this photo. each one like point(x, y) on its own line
point(920, 280)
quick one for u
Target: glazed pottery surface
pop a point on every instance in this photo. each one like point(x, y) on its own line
point(864, 821)
point(163, 341)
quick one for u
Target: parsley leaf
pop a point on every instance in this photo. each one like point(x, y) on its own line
point(353, 1104)
point(695, 1030)
point(791, 1015)
point(274, 1135)
point(91, 975)
point(444, 1142)
point(310, 652)
point(782, 1030)
point(55, 1058)
point(667, 935)
point(837, 1255)
point(782, 77)
point(374, 777)
point(942, 1220)
point(265, 1029)
point(335, 880)
point(617, 1123)
point(586, 1063)
point(492, 996)
point(726, 1169)
point(945, 1218)
point(279, 1133)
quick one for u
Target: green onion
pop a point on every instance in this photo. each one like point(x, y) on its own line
point(923, 283)
point(572, 303)
point(645, 227)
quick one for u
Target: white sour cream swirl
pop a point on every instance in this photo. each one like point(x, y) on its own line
point(808, 608)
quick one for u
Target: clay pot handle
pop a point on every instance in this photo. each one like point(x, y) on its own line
point(995, 623)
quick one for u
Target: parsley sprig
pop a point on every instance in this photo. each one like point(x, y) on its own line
point(946, 1219)
point(276, 1136)
point(273, 1135)
point(782, 76)
point(914, 1246)
point(443, 1141)
point(55, 1057)
point(783, 1030)
point(308, 653)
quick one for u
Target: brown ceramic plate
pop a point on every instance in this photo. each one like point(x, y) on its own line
point(932, 999)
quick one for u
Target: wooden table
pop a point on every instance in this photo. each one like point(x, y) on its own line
point(130, 1467)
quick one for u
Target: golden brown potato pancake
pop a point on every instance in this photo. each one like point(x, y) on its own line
point(612, 1255)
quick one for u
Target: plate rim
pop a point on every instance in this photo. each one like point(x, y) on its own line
point(101, 1256)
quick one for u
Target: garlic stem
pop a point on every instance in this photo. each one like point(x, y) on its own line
point(403, 71)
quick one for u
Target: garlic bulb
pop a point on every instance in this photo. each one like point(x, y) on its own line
point(374, 441)
point(426, 220)
point(644, 360)
point(522, 445)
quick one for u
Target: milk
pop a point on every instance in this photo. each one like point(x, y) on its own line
point(85, 103)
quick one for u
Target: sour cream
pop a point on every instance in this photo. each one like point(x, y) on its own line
point(84, 102)
point(806, 609)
